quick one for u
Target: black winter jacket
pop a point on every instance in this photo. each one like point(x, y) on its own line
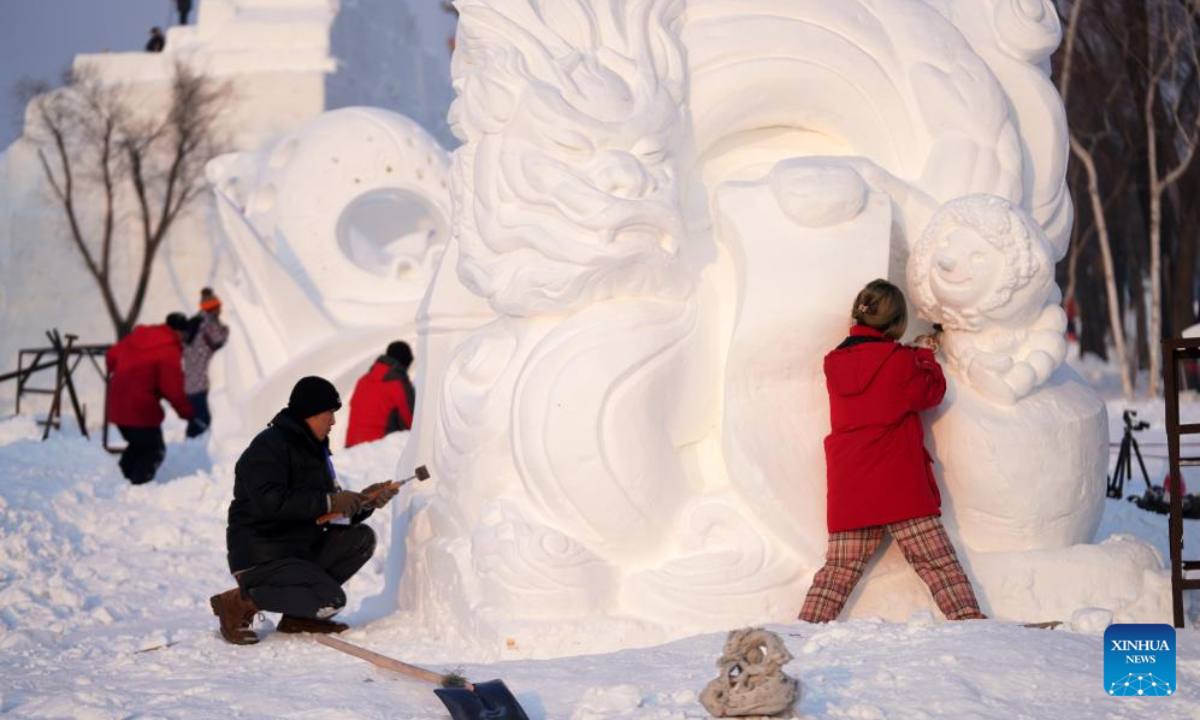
point(281, 486)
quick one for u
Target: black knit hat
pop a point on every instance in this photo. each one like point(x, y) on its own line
point(400, 352)
point(177, 321)
point(313, 395)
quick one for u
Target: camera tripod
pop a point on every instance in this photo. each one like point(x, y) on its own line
point(1124, 469)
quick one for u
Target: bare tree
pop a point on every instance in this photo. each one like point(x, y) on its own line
point(1125, 360)
point(1084, 150)
point(99, 149)
point(1129, 74)
point(1172, 63)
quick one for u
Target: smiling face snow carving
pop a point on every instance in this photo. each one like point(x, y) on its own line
point(980, 259)
point(965, 270)
point(983, 269)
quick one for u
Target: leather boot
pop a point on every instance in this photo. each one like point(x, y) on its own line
point(294, 624)
point(235, 611)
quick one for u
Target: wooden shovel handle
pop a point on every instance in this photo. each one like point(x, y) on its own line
point(382, 661)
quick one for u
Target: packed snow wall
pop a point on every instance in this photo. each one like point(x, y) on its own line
point(663, 210)
point(287, 60)
point(274, 55)
point(394, 55)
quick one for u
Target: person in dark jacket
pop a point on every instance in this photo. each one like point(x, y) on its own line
point(144, 367)
point(384, 398)
point(157, 40)
point(184, 7)
point(283, 558)
point(880, 477)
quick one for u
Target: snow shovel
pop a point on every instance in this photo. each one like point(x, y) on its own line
point(489, 700)
point(420, 474)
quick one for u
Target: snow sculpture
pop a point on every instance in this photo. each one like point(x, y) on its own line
point(984, 269)
point(335, 244)
point(752, 681)
point(663, 211)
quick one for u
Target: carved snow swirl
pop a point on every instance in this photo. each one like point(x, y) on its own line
point(1029, 30)
point(468, 439)
point(592, 446)
point(891, 79)
point(724, 561)
point(524, 567)
point(1015, 38)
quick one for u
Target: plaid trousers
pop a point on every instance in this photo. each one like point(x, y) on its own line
point(926, 547)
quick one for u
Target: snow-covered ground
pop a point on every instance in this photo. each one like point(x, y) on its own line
point(104, 614)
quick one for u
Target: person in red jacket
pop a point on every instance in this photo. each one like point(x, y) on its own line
point(383, 399)
point(880, 477)
point(144, 367)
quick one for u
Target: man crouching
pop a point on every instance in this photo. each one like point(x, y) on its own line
point(283, 559)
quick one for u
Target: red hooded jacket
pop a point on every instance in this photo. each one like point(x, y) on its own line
point(878, 469)
point(146, 366)
point(382, 402)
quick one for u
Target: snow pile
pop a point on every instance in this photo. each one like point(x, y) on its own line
point(103, 613)
point(71, 521)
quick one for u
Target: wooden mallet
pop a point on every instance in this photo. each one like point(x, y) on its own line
point(419, 473)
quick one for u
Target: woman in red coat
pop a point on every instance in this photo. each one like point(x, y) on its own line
point(880, 478)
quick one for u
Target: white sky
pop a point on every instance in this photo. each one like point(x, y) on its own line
point(38, 38)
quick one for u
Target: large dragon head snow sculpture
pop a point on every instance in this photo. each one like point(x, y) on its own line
point(628, 439)
point(567, 195)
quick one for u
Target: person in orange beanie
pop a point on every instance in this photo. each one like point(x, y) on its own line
point(206, 335)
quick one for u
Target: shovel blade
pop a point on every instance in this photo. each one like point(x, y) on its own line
point(491, 700)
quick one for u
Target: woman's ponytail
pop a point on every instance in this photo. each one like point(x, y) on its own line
point(881, 306)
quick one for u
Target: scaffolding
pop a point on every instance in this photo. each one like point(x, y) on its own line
point(64, 357)
point(1178, 353)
